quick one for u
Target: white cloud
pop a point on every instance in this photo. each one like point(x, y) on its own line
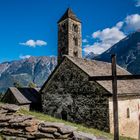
point(85, 41)
point(24, 56)
point(119, 24)
point(137, 3)
point(109, 35)
point(41, 43)
point(33, 43)
point(132, 22)
point(105, 39)
point(95, 48)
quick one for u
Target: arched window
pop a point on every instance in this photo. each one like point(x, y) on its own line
point(75, 41)
point(64, 115)
point(128, 113)
point(75, 54)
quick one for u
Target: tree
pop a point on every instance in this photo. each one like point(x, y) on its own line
point(1, 95)
point(17, 84)
point(32, 85)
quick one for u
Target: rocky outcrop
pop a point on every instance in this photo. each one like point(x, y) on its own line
point(21, 127)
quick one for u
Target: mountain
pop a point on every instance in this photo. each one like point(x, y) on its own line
point(91, 55)
point(127, 51)
point(37, 69)
point(33, 69)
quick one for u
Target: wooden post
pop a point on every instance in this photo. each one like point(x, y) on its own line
point(139, 121)
point(115, 98)
point(139, 129)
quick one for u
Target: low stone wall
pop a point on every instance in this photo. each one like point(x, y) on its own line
point(19, 126)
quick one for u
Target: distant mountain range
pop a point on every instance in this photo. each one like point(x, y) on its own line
point(37, 69)
point(33, 69)
point(127, 52)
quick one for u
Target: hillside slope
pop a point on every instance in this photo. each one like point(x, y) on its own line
point(36, 125)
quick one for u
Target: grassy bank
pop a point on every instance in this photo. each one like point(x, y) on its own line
point(95, 132)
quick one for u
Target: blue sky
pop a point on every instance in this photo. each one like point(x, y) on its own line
point(29, 27)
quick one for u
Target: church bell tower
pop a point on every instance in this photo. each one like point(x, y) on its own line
point(69, 36)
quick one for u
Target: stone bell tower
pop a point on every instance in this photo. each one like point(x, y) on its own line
point(69, 36)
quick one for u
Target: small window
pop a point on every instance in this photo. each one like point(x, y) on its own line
point(64, 115)
point(128, 113)
point(75, 41)
point(91, 111)
point(64, 26)
point(75, 54)
point(75, 28)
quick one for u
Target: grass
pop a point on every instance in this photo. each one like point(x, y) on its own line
point(82, 128)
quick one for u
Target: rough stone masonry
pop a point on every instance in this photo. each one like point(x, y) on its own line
point(17, 126)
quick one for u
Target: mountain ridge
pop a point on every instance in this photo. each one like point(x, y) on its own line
point(127, 52)
point(37, 69)
point(24, 71)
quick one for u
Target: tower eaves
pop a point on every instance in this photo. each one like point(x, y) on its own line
point(69, 14)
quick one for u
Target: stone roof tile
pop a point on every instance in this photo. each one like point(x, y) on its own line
point(69, 14)
point(100, 68)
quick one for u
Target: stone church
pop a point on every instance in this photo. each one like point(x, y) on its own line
point(69, 95)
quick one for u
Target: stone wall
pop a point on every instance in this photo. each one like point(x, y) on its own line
point(66, 39)
point(17, 126)
point(70, 96)
point(128, 116)
point(72, 34)
point(62, 39)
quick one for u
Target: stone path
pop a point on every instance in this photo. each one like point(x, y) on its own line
point(22, 127)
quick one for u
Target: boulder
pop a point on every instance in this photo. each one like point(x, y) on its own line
point(3, 111)
point(10, 107)
point(19, 119)
point(57, 134)
point(12, 138)
point(67, 129)
point(48, 129)
point(84, 136)
point(51, 124)
point(4, 118)
point(67, 136)
point(44, 135)
point(12, 131)
point(26, 123)
point(32, 128)
point(3, 124)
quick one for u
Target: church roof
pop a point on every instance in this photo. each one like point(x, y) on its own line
point(69, 14)
point(100, 68)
